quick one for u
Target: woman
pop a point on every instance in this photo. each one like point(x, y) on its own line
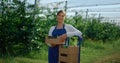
point(62, 31)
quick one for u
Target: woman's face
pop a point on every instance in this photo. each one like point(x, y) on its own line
point(60, 17)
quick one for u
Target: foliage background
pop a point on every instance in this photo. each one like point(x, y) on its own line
point(23, 30)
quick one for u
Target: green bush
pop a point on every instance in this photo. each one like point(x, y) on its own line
point(22, 30)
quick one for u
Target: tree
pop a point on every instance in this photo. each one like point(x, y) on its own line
point(15, 28)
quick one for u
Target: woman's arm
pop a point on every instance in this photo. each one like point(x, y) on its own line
point(50, 34)
point(72, 31)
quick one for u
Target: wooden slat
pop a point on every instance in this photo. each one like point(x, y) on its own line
point(68, 55)
point(53, 41)
point(69, 50)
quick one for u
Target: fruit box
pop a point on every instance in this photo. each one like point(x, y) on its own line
point(53, 40)
point(69, 54)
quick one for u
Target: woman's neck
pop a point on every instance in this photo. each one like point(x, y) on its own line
point(59, 25)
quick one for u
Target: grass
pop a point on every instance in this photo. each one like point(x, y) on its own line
point(21, 60)
point(113, 58)
point(91, 52)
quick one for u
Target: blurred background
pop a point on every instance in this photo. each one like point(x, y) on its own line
point(25, 23)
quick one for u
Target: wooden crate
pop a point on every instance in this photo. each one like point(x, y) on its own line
point(53, 40)
point(69, 54)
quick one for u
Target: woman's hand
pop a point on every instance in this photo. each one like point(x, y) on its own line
point(62, 37)
point(52, 45)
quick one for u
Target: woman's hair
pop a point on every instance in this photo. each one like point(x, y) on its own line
point(61, 11)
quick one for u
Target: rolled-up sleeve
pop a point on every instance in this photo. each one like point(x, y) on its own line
point(51, 30)
point(50, 33)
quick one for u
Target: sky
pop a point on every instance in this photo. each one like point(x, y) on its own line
point(113, 9)
point(82, 2)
